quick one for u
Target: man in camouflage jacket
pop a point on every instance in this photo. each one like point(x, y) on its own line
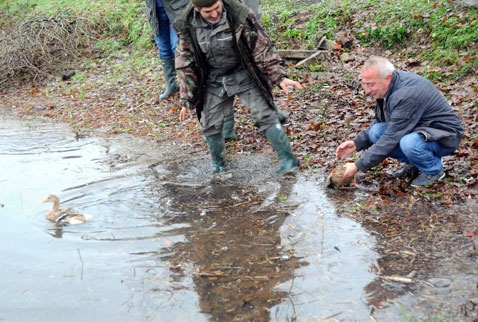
point(223, 52)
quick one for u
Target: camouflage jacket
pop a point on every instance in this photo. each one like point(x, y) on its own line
point(258, 55)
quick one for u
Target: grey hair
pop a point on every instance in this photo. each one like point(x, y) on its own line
point(383, 66)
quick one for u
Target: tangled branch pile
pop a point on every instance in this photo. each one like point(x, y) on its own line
point(41, 46)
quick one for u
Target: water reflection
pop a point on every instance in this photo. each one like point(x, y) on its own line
point(339, 257)
point(234, 244)
point(167, 242)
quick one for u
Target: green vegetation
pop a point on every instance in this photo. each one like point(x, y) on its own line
point(119, 23)
point(444, 33)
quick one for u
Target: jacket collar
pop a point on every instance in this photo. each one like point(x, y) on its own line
point(393, 84)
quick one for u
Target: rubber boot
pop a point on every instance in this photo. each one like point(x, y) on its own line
point(280, 142)
point(228, 127)
point(217, 148)
point(282, 117)
point(169, 69)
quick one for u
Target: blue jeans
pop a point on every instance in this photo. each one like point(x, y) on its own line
point(426, 156)
point(167, 39)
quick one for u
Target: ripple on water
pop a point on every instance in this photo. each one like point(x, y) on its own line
point(107, 269)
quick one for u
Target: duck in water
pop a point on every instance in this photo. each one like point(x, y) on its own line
point(64, 215)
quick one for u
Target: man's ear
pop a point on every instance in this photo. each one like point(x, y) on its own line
point(196, 8)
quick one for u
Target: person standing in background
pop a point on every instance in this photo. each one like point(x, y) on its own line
point(161, 14)
point(255, 5)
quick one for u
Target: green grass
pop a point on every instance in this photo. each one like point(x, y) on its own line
point(443, 33)
point(119, 23)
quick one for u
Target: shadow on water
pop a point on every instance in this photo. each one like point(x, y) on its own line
point(170, 242)
point(266, 248)
point(234, 243)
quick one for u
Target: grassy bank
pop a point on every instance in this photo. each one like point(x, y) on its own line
point(442, 33)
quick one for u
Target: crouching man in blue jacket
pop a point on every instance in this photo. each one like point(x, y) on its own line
point(413, 124)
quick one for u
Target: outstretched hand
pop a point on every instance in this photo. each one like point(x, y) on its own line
point(345, 149)
point(286, 82)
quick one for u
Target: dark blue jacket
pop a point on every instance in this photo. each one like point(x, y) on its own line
point(412, 104)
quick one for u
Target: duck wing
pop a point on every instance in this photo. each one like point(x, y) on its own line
point(68, 214)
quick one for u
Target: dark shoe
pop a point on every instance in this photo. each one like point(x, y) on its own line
point(425, 179)
point(406, 169)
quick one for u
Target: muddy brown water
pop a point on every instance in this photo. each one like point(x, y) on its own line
point(170, 242)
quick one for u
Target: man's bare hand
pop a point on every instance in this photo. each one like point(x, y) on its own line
point(285, 83)
point(350, 170)
point(345, 149)
point(183, 113)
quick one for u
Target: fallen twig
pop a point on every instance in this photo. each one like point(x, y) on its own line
point(397, 278)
